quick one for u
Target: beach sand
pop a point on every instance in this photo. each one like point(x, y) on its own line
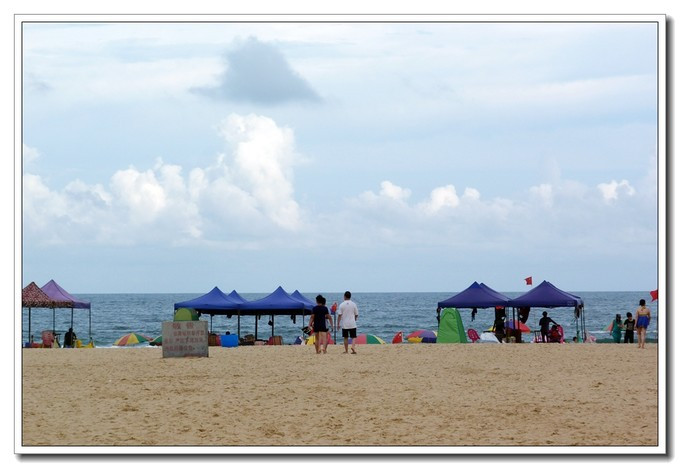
point(404, 395)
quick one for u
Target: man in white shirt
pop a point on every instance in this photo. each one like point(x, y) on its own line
point(347, 320)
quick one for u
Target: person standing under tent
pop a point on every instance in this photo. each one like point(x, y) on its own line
point(544, 323)
point(347, 320)
point(642, 318)
point(70, 338)
point(499, 328)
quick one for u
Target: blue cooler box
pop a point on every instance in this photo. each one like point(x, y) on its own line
point(229, 341)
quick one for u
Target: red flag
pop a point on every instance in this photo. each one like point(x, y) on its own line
point(528, 280)
point(654, 294)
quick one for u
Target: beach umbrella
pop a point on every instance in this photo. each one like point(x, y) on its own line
point(398, 337)
point(365, 338)
point(512, 325)
point(131, 339)
point(312, 339)
point(422, 336)
point(158, 341)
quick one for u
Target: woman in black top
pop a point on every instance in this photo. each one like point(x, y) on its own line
point(317, 321)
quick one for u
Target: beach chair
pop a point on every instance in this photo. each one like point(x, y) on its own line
point(275, 340)
point(247, 340)
point(473, 335)
point(556, 334)
point(48, 340)
point(538, 338)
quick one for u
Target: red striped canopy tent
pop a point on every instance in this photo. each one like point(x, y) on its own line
point(34, 297)
point(51, 296)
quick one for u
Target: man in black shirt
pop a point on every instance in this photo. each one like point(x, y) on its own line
point(545, 326)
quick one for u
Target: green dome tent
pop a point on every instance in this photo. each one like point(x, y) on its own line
point(185, 315)
point(451, 329)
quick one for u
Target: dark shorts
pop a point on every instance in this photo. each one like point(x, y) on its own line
point(629, 337)
point(324, 330)
point(349, 332)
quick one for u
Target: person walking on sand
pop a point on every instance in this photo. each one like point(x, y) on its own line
point(347, 320)
point(317, 321)
point(629, 326)
point(642, 318)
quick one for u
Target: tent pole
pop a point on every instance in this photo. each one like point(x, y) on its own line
point(583, 318)
point(71, 317)
point(256, 327)
point(29, 326)
point(238, 324)
point(211, 329)
point(272, 324)
point(90, 323)
point(54, 321)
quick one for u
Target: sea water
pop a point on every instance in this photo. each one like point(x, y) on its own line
point(381, 314)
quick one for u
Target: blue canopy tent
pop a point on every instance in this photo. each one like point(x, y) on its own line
point(236, 297)
point(476, 295)
point(214, 303)
point(278, 302)
point(299, 296)
point(549, 296)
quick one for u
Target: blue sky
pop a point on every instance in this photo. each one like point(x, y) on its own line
point(173, 157)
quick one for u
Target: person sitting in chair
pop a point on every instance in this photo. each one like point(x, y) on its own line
point(554, 335)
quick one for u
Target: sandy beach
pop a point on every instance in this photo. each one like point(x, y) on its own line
point(405, 395)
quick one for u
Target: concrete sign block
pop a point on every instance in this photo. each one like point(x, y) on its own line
point(183, 339)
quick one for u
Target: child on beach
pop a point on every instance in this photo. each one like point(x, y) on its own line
point(629, 327)
point(617, 326)
point(642, 318)
point(317, 321)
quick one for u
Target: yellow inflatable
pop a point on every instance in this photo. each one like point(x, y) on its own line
point(79, 344)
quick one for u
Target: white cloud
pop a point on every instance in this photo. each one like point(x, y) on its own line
point(611, 191)
point(29, 154)
point(471, 194)
point(249, 190)
point(263, 157)
point(440, 198)
point(544, 193)
point(394, 192)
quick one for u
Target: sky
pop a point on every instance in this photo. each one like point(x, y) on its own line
point(383, 156)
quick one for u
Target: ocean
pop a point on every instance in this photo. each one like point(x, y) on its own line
point(381, 314)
